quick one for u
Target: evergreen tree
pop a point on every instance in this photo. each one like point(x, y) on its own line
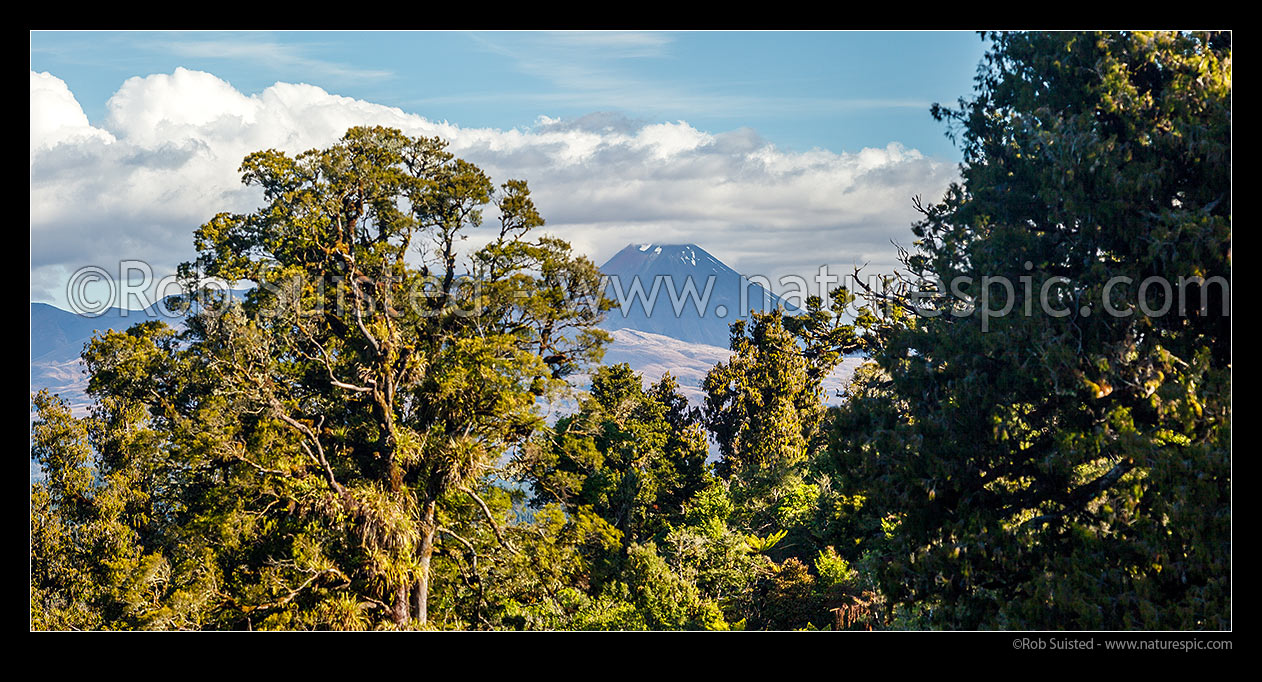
point(631, 456)
point(765, 408)
point(316, 438)
point(1061, 466)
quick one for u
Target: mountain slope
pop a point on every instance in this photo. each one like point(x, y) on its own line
point(674, 305)
point(680, 291)
point(58, 337)
point(58, 334)
point(654, 354)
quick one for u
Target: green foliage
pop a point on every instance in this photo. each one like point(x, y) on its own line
point(833, 570)
point(791, 599)
point(632, 456)
point(762, 405)
point(1072, 471)
point(650, 596)
point(765, 408)
point(719, 558)
point(757, 544)
point(360, 444)
point(313, 440)
point(546, 584)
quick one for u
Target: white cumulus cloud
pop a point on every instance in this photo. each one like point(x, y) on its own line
point(165, 160)
point(56, 116)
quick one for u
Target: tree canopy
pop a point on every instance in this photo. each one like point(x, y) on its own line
point(311, 432)
point(1064, 466)
point(1039, 437)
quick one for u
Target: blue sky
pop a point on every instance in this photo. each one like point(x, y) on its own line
point(835, 90)
point(778, 152)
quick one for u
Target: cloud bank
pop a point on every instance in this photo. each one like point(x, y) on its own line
point(165, 160)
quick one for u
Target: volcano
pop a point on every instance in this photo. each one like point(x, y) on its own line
point(680, 291)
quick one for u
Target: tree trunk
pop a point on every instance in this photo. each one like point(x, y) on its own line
point(399, 614)
point(428, 530)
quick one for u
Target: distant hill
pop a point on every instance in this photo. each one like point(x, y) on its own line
point(680, 291)
point(59, 336)
point(683, 328)
point(654, 354)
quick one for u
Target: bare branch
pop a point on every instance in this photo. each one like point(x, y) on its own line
point(486, 510)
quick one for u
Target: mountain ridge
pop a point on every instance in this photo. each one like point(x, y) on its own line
point(685, 331)
point(680, 291)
